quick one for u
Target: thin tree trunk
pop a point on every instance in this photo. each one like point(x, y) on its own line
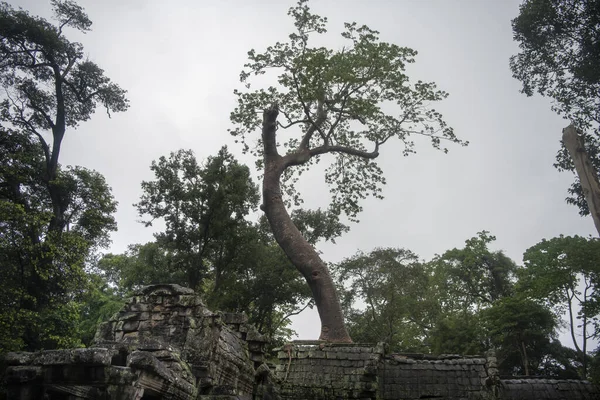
point(298, 250)
point(525, 358)
point(588, 176)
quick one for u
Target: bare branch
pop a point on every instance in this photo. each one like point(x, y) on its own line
point(301, 121)
point(292, 314)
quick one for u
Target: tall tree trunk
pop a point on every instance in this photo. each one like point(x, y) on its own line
point(298, 250)
point(588, 176)
point(59, 205)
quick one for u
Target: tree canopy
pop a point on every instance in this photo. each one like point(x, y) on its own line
point(466, 301)
point(565, 272)
point(203, 208)
point(559, 57)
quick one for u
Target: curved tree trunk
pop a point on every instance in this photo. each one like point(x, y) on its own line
point(588, 176)
point(298, 250)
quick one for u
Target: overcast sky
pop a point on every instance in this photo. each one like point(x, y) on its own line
point(180, 62)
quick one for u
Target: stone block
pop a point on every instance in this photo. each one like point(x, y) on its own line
point(130, 326)
point(22, 374)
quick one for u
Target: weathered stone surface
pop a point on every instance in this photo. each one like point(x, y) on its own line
point(547, 389)
point(317, 370)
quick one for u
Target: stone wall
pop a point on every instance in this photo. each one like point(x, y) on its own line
point(448, 377)
point(315, 370)
point(318, 370)
point(547, 389)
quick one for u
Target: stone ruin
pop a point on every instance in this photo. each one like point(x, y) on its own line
point(165, 344)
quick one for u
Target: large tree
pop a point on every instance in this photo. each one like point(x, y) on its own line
point(203, 208)
point(344, 103)
point(559, 57)
point(565, 273)
point(50, 85)
point(51, 218)
point(521, 330)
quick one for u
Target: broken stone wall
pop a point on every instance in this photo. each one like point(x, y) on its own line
point(164, 344)
point(318, 370)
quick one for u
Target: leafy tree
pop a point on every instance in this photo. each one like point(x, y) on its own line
point(558, 59)
point(473, 277)
point(594, 366)
point(263, 284)
point(465, 281)
point(139, 266)
point(460, 332)
point(559, 361)
point(521, 330)
point(392, 285)
point(51, 218)
point(345, 103)
point(209, 245)
point(202, 206)
point(565, 272)
point(462, 302)
point(99, 302)
point(480, 308)
point(43, 271)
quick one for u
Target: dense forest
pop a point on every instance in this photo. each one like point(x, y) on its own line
point(252, 249)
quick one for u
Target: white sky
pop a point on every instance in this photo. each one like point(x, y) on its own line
point(180, 61)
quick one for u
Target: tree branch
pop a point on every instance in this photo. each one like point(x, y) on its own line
point(68, 67)
point(77, 93)
point(60, 28)
point(29, 126)
point(291, 314)
point(316, 125)
point(269, 131)
point(300, 121)
point(346, 150)
point(39, 110)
